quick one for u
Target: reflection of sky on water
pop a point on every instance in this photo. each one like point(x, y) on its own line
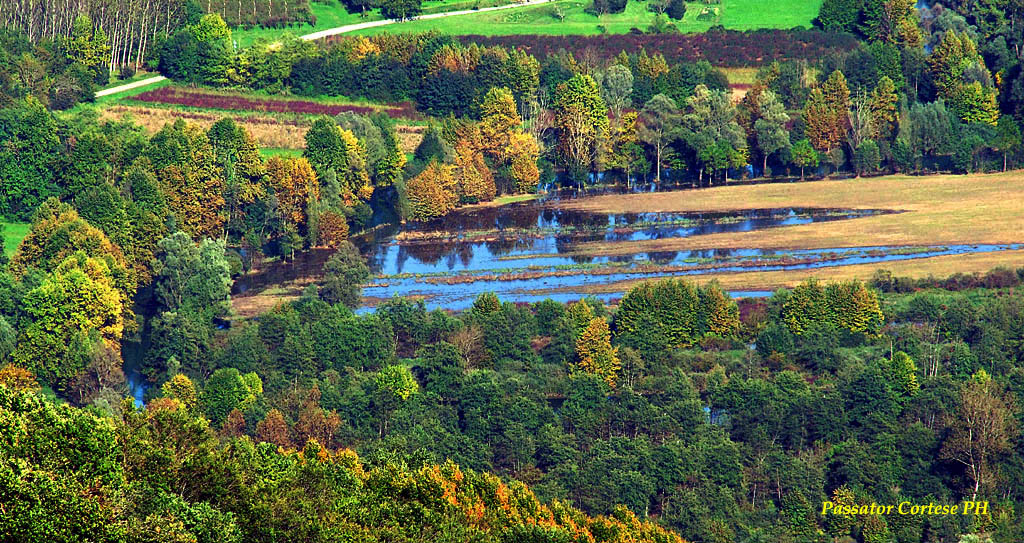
point(460, 296)
point(532, 238)
point(540, 235)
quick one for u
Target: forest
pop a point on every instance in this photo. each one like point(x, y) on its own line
point(139, 402)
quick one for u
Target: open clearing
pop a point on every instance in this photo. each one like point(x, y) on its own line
point(732, 14)
point(943, 209)
point(278, 133)
point(13, 233)
point(938, 210)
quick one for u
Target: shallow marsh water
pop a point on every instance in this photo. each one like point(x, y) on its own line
point(527, 252)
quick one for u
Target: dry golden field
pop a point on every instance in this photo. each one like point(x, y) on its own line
point(937, 210)
point(269, 131)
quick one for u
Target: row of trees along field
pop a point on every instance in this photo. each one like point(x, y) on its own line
point(888, 105)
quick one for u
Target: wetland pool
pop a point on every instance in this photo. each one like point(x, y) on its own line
point(528, 252)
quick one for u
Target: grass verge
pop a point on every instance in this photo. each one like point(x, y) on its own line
point(13, 233)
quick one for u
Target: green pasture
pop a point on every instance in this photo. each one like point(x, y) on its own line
point(13, 233)
point(570, 17)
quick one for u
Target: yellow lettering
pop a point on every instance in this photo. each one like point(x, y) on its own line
point(952, 510)
point(968, 507)
point(825, 506)
point(981, 508)
point(888, 509)
point(902, 512)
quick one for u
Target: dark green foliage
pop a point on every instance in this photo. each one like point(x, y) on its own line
point(676, 9)
point(344, 275)
point(430, 147)
point(840, 15)
point(400, 9)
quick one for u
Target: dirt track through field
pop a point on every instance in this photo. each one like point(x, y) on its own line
point(333, 32)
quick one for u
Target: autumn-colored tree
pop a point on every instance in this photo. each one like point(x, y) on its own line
point(294, 183)
point(74, 308)
point(57, 233)
point(190, 181)
point(523, 152)
point(18, 378)
point(626, 152)
point(883, 110)
point(474, 181)
point(825, 113)
point(181, 388)
point(720, 316)
point(595, 352)
point(499, 118)
point(234, 425)
point(840, 525)
point(274, 429)
point(333, 228)
point(432, 193)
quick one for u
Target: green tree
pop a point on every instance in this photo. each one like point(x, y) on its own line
point(710, 129)
point(192, 277)
point(772, 135)
point(804, 155)
point(839, 15)
point(617, 88)
point(676, 9)
point(658, 124)
point(345, 273)
point(88, 46)
point(1008, 138)
point(401, 9)
point(325, 148)
point(581, 117)
point(73, 309)
point(395, 385)
point(227, 389)
point(866, 157)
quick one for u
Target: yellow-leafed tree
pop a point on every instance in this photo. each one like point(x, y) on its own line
point(595, 351)
point(432, 193)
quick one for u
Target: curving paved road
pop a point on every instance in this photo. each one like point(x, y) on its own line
point(333, 32)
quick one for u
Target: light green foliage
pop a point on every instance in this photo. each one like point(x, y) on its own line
point(192, 277)
point(850, 306)
point(75, 306)
point(902, 373)
point(229, 389)
point(772, 135)
point(397, 382)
